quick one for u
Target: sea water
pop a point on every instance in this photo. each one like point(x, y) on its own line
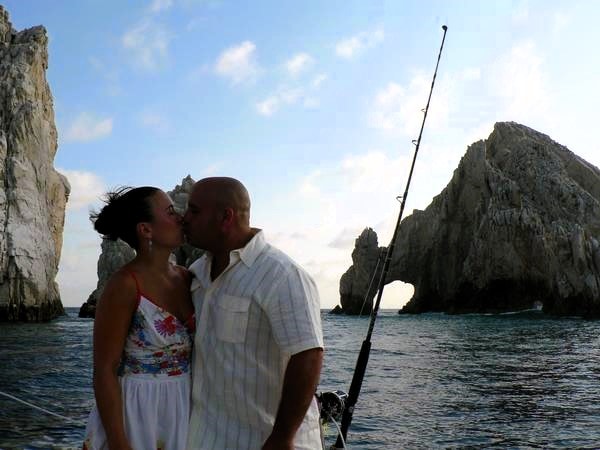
point(433, 381)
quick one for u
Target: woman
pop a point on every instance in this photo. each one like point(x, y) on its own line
point(143, 330)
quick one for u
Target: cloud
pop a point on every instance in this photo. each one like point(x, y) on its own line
point(86, 188)
point(351, 47)
point(560, 21)
point(318, 80)
point(398, 108)
point(517, 77)
point(86, 127)
point(238, 63)
point(155, 121)
point(346, 238)
point(284, 96)
point(212, 170)
point(148, 43)
point(299, 63)
point(521, 13)
point(308, 186)
point(371, 172)
point(160, 5)
point(471, 74)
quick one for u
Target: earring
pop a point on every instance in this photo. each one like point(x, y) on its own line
point(149, 245)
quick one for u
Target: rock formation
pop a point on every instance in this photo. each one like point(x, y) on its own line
point(518, 224)
point(357, 285)
point(33, 195)
point(115, 254)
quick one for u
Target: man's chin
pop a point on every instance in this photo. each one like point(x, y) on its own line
point(188, 240)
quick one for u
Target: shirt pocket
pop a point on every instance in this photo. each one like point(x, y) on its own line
point(231, 318)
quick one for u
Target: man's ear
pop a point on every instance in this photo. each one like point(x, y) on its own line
point(228, 216)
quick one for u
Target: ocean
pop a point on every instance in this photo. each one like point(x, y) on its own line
point(520, 380)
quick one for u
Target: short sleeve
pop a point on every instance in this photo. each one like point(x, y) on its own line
point(294, 312)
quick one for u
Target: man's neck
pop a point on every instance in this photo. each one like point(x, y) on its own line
point(220, 259)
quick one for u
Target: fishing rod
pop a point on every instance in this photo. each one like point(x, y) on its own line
point(363, 356)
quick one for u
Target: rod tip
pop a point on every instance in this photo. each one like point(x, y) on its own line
point(444, 27)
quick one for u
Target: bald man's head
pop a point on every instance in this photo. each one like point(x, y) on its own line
point(226, 192)
point(218, 214)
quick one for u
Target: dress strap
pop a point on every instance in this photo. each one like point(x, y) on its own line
point(138, 291)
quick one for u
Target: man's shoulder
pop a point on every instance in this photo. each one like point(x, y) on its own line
point(280, 261)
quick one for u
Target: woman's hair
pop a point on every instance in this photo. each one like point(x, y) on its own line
point(125, 208)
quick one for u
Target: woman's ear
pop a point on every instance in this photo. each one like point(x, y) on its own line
point(144, 230)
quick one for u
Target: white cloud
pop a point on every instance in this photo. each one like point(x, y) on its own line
point(521, 13)
point(371, 172)
point(87, 188)
point(471, 74)
point(284, 96)
point(154, 121)
point(238, 63)
point(77, 270)
point(212, 170)
point(517, 77)
point(396, 108)
point(308, 186)
point(268, 106)
point(87, 127)
point(353, 46)
point(560, 21)
point(318, 80)
point(148, 42)
point(299, 63)
point(346, 238)
point(160, 5)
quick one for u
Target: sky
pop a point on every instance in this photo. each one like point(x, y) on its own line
point(312, 105)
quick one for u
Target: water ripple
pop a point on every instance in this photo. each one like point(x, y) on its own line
point(433, 381)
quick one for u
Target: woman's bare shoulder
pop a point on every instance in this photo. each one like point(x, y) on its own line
point(121, 288)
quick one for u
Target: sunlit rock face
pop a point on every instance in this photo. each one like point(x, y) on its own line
point(33, 194)
point(517, 226)
point(359, 284)
point(115, 254)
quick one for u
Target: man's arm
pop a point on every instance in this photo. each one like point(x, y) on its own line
point(299, 386)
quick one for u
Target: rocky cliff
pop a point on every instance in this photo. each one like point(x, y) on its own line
point(518, 225)
point(115, 254)
point(359, 284)
point(32, 194)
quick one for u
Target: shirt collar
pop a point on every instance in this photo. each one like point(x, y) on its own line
point(252, 249)
point(247, 254)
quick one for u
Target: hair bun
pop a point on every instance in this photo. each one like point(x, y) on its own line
point(107, 220)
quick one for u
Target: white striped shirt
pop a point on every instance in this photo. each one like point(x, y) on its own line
point(251, 319)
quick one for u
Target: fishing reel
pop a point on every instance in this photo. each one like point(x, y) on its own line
point(331, 405)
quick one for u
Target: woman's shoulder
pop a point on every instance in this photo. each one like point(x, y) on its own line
point(125, 282)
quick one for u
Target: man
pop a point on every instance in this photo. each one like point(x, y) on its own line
point(258, 348)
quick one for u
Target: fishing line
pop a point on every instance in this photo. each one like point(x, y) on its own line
point(339, 433)
point(39, 408)
point(371, 283)
point(363, 355)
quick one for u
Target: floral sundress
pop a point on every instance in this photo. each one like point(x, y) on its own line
point(155, 379)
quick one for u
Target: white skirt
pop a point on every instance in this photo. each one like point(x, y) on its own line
point(156, 413)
